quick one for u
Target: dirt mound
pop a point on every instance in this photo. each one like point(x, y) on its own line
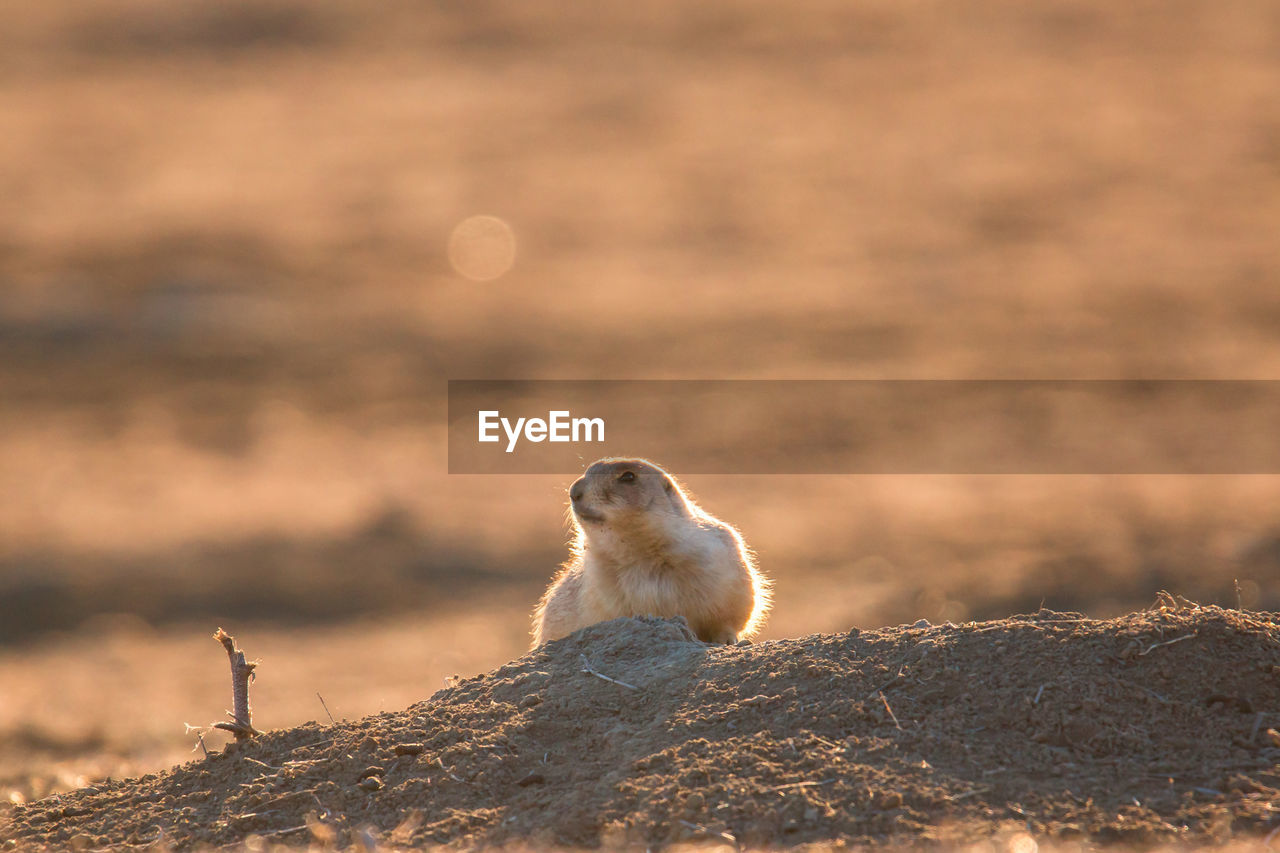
point(1149, 728)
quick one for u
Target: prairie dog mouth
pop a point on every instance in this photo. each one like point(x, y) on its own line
point(585, 514)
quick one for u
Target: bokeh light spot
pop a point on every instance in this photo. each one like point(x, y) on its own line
point(482, 248)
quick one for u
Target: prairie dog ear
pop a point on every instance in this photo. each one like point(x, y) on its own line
point(668, 487)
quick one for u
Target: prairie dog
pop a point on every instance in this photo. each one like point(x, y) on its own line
point(642, 547)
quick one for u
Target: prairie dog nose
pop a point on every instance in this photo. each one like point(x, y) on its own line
point(577, 490)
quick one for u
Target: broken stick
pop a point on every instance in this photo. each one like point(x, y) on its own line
point(241, 674)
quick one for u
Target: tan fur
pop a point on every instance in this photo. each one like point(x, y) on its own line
point(644, 548)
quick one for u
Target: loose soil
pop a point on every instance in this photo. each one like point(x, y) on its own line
point(1152, 728)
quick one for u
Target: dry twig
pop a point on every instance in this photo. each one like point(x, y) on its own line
point(589, 670)
point(241, 674)
point(791, 785)
point(954, 798)
point(1166, 600)
point(892, 715)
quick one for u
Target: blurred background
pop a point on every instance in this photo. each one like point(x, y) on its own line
point(243, 246)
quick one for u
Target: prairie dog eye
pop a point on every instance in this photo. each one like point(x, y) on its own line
point(627, 477)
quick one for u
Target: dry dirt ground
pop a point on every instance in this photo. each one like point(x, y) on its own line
point(1151, 728)
point(228, 314)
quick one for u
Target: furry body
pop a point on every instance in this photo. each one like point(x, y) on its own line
point(644, 548)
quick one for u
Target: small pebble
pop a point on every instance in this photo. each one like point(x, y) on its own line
point(372, 771)
point(532, 779)
point(408, 749)
point(889, 800)
point(371, 783)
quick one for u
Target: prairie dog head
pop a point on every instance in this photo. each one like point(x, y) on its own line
point(616, 496)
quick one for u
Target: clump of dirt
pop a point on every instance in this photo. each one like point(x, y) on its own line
point(1150, 728)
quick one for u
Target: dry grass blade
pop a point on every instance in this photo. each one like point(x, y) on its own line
point(1155, 646)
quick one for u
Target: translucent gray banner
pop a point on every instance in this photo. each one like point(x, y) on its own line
point(869, 426)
